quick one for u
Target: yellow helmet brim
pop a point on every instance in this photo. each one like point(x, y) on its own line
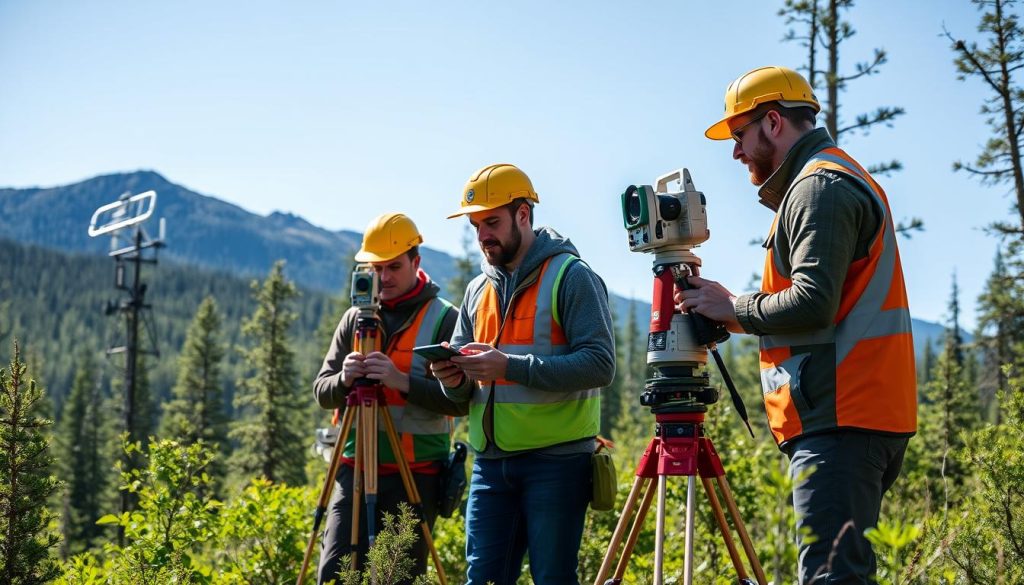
point(720, 129)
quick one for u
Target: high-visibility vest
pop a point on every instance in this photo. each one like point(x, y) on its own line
point(525, 418)
point(424, 435)
point(858, 372)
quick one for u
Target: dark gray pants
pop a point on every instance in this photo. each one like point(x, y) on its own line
point(337, 536)
point(853, 470)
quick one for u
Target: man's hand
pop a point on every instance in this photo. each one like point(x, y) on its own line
point(447, 373)
point(352, 368)
point(483, 362)
point(710, 299)
point(380, 367)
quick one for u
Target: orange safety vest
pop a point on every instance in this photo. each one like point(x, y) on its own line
point(424, 435)
point(860, 369)
point(524, 418)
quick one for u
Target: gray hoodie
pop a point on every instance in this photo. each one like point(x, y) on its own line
point(586, 320)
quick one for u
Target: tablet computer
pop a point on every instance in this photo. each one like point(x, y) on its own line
point(436, 352)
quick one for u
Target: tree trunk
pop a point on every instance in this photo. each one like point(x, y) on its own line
point(1012, 134)
point(832, 78)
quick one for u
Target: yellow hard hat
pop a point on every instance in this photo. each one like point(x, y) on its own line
point(387, 237)
point(760, 86)
point(494, 186)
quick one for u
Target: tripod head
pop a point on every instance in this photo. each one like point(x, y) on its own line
point(677, 343)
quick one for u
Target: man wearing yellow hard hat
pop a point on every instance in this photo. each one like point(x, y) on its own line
point(837, 357)
point(411, 314)
point(538, 326)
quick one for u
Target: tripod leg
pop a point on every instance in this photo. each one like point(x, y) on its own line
point(357, 490)
point(659, 532)
point(325, 491)
point(368, 429)
point(748, 546)
point(730, 544)
point(691, 506)
point(634, 531)
point(620, 530)
point(412, 492)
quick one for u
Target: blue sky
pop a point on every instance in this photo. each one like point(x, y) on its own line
point(339, 111)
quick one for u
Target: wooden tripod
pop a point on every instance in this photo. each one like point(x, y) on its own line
point(367, 405)
point(679, 448)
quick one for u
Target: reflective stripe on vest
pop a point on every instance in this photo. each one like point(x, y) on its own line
point(859, 371)
point(526, 418)
point(424, 434)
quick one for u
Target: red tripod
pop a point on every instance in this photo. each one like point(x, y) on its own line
point(679, 448)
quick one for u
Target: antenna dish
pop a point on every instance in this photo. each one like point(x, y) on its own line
point(122, 213)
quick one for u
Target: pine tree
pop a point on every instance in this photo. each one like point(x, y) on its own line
point(269, 432)
point(85, 465)
point(467, 267)
point(26, 483)
point(631, 377)
point(924, 370)
point(1000, 323)
point(196, 409)
point(949, 412)
point(827, 31)
point(1000, 160)
point(611, 395)
point(824, 30)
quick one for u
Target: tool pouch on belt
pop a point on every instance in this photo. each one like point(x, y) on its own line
point(453, 481)
point(605, 480)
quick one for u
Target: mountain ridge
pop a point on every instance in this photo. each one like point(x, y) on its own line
point(225, 236)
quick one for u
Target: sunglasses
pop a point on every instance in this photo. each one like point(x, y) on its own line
point(737, 134)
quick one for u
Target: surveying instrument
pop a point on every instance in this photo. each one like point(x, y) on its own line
point(365, 409)
point(670, 225)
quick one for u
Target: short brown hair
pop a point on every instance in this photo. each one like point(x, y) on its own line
point(514, 207)
point(799, 116)
point(413, 252)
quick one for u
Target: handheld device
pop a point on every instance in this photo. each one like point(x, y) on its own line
point(436, 352)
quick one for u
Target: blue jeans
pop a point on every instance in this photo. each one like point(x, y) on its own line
point(853, 470)
point(531, 503)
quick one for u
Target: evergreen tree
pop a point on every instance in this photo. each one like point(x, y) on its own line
point(949, 412)
point(630, 375)
point(26, 483)
point(1000, 160)
point(85, 465)
point(987, 545)
point(1000, 323)
point(825, 30)
point(924, 370)
point(196, 410)
point(611, 395)
point(467, 267)
point(270, 405)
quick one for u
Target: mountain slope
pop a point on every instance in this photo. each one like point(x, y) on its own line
point(211, 233)
point(202, 230)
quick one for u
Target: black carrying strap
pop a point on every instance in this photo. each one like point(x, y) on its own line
point(737, 400)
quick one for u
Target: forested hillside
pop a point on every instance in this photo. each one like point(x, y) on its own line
point(53, 303)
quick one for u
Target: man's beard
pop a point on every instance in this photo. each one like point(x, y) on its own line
point(502, 254)
point(761, 159)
